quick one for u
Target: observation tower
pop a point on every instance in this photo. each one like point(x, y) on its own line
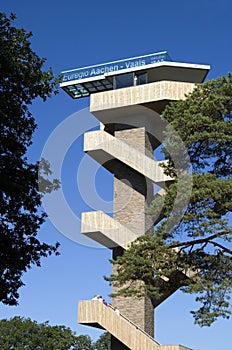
point(127, 97)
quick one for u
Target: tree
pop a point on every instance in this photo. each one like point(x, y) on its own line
point(21, 81)
point(103, 343)
point(21, 333)
point(200, 242)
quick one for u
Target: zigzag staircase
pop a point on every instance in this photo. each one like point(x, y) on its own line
point(96, 314)
point(130, 131)
point(114, 152)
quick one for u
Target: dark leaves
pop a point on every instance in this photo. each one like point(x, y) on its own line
point(21, 81)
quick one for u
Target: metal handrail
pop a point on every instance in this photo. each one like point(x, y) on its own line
point(133, 324)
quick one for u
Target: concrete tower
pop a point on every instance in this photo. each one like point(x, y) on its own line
point(127, 98)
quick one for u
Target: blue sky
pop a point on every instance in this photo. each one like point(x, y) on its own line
point(73, 34)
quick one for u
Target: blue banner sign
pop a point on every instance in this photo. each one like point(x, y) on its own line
point(102, 69)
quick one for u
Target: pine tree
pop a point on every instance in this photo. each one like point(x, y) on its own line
point(196, 240)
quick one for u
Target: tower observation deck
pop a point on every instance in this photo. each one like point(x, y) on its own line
point(127, 97)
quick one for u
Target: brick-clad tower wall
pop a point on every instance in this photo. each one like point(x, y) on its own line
point(132, 192)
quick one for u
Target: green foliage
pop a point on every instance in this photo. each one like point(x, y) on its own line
point(21, 81)
point(196, 240)
point(20, 333)
point(103, 343)
point(83, 342)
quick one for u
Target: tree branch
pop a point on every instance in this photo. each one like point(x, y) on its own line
point(203, 240)
point(227, 250)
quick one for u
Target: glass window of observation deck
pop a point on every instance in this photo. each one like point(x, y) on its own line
point(129, 79)
point(123, 80)
point(141, 78)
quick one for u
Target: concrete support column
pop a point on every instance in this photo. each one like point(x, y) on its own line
point(132, 192)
